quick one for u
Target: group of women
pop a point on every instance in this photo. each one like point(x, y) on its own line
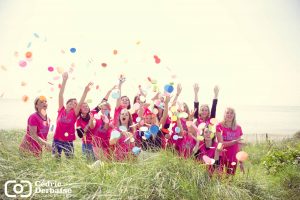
point(151, 126)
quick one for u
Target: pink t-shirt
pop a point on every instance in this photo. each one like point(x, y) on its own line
point(116, 115)
point(28, 143)
point(88, 135)
point(186, 145)
point(228, 135)
point(199, 121)
point(177, 143)
point(101, 136)
point(210, 152)
point(134, 116)
point(65, 125)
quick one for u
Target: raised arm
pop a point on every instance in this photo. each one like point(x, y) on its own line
point(141, 91)
point(215, 101)
point(121, 81)
point(62, 90)
point(179, 89)
point(196, 102)
point(109, 92)
point(165, 113)
point(86, 90)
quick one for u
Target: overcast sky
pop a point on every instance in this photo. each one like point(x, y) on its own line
point(251, 49)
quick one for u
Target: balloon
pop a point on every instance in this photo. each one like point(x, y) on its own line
point(208, 160)
point(154, 129)
point(73, 50)
point(155, 111)
point(174, 118)
point(175, 137)
point(136, 150)
point(202, 125)
point(115, 52)
point(177, 130)
point(22, 63)
point(66, 134)
point(183, 115)
point(50, 69)
point(169, 88)
point(104, 65)
point(147, 134)
point(123, 128)
point(138, 119)
point(242, 156)
point(115, 95)
point(25, 98)
point(173, 109)
point(213, 121)
point(28, 54)
point(136, 106)
point(143, 128)
point(200, 138)
point(115, 134)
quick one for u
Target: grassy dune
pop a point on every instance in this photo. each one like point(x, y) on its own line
point(151, 176)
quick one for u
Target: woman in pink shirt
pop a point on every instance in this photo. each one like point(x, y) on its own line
point(203, 114)
point(122, 102)
point(65, 124)
point(37, 130)
point(229, 134)
point(122, 137)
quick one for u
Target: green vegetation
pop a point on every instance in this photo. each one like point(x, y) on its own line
point(157, 176)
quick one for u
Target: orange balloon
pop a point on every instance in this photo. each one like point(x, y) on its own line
point(25, 98)
point(242, 156)
point(28, 54)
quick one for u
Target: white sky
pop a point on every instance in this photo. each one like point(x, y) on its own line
point(249, 48)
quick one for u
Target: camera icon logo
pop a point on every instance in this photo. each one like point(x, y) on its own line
point(18, 188)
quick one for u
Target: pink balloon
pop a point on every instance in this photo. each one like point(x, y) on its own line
point(242, 156)
point(50, 69)
point(208, 160)
point(22, 63)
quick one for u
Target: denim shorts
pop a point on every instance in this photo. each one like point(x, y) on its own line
point(59, 146)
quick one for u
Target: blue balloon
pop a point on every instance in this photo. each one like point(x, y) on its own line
point(177, 130)
point(147, 134)
point(154, 129)
point(136, 150)
point(169, 88)
point(73, 50)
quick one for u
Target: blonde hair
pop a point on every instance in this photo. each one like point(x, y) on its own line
point(233, 123)
point(204, 105)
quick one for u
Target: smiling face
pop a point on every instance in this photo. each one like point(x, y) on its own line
point(41, 104)
point(229, 115)
point(204, 112)
point(71, 104)
point(149, 119)
point(206, 134)
point(124, 117)
point(84, 109)
point(137, 99)
point(125, 102)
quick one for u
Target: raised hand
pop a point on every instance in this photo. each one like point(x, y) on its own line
point(196, 88)
point(216, 91)
point(89, 86)
point(179, 89)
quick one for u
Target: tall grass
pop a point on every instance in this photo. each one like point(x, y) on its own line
point(159, 175)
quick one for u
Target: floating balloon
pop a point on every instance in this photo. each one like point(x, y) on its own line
point(25, 98)
point(144, 128)
point(103, 64)
point(183, 115)
point(169, 88)
point(155, 111)
point(73, 50)
point(208, 160)
point(177, 130)
point(233, 163)
point(242, 156)
point(138, 119)
point(202, 126)
point(213, 121)
point(60, 70)
point(66, 134)
point(175, 137)
point(136, 106)
point(142, 99)
point(147, 134)
point(23, 83)
point(174, 118)
point(123, 128)
point(154, 129)
point(28, 54)
point(115, 95)
point(200, 138)
point(173, 109)
point(22, 63)
point(115, 52)
point(115, 134)
point(50, 69)
point(136, 150)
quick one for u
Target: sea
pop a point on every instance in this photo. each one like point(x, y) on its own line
point(258, 122)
